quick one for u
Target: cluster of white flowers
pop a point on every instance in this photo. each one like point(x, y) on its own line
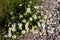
point(25, 23)
point(10, 31)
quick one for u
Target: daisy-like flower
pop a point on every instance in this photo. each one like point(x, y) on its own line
point(21, 16)
point(28, 5)
point(14, 36)
point(10, 28)
point(34, 16)
point(20, 26)
point(50, 15)
point(27, 29)
point(38, 24)
point(20, 4)
point(41, 6)
point(30, 2)
point(11, 12)
point(36, 7)
point(12, 17)
point(27, 24)
point(23, 31)
point(46, 11)
point(39, 17)
point(24, 21)
point(30, 19)
point(45, 17)
point(14, 25)
point(28, 10)
point(9, 34)
point(32, 30)
point(48, 22)
point(9, 31)
point(13, 29)
point(51, 19)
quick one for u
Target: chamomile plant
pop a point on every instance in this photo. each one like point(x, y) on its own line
point(27, 17)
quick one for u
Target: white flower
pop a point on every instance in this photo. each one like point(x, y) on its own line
point(38, 24)
point(20, 25)
point(27, 24)
point(13, 29)
point(27, 29)
point(45, 17)
point(10, 28)
point(34, 16)
point(41, 6)
point(30, 19)
point(28, 10)
point(12, 17)
point(23, 31)
point(11, 13)
point(14, 25)
point(9, 23)
point(9, 34)
point(20, 4)
point(21, 16)
point(24, 21)
point(28, 5)
point(46, 11)
point(51, 19)
point(36, 7)
point(30, 2)
point(14, 36)
point(50, 15)
point(32, 30)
